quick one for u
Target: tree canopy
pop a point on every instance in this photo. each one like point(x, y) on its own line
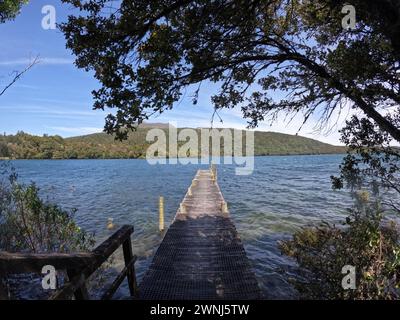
point(266, 56)
point(9, 9)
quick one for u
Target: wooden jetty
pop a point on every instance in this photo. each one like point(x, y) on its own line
point(201, 255)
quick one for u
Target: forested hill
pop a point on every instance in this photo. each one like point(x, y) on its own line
point(103, 146)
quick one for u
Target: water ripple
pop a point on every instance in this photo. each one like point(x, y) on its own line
point(282, 195)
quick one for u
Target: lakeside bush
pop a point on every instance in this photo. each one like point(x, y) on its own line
point(29, 224)
point(366, 241)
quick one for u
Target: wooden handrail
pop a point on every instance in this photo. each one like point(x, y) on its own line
point(79, 266)
point(108, 247)
point(101, 254)
point(15, 263)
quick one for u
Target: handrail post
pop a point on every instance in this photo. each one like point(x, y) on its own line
point(81, 293)
point(3, 290)
point(131, 275)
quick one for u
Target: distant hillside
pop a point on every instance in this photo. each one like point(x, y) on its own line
point(103, 146)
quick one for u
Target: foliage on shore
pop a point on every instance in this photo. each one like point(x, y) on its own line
point(103, 146)
point(30, 224)
point(366, 241)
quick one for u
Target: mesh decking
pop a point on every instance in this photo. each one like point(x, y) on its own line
point(201, 255)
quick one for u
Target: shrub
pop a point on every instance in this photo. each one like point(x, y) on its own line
point(365, 241)
point(29, 224)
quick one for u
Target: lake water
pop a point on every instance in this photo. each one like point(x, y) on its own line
point(283, 194)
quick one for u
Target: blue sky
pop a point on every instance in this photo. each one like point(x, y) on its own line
point(54, 97)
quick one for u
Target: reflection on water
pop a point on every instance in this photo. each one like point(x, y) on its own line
point(283, 194)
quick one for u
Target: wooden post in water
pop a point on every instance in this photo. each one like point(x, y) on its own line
point(224, 207)
point(182, 208)
point(161, 213)
point(213, 170)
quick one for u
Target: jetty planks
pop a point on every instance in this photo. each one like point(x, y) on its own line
point(201, 255)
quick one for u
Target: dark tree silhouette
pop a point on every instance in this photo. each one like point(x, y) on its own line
point(145, 53)
point(9, 9)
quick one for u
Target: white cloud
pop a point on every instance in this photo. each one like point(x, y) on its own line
point(233, 119)
point(77, 130)
point(55, 111)
point(25, 86)
point(289, 124)
point(41, 61)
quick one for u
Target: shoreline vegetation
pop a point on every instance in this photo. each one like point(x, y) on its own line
point(103, 146)
point(161, 158)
